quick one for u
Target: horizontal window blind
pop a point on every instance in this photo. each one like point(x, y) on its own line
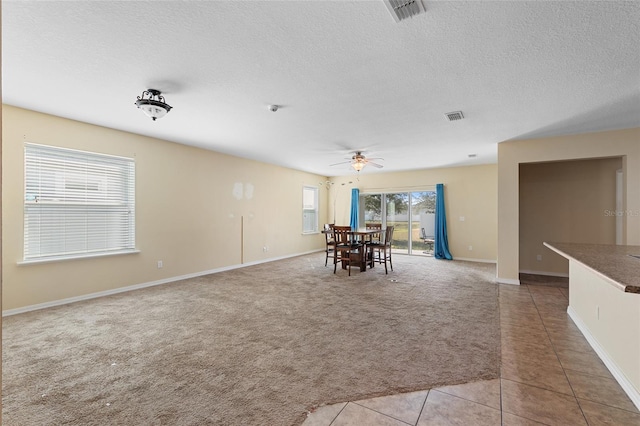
point(77, 203)
point(309, 209)
point(309, 221)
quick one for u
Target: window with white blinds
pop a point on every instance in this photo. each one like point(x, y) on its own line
point(77, 203)
point(309, 209)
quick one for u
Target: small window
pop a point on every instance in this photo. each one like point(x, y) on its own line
point(309, 209)
point(77, 203)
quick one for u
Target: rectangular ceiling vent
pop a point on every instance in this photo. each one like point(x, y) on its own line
point(403, 9)
point(455, 115)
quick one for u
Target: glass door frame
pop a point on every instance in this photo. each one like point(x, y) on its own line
point(383, 212)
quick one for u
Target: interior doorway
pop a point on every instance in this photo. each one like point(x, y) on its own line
point(565, 201)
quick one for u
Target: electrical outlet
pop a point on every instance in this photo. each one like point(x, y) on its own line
point(265, 249)
point(461, 218)
point(470, 247)
point(160, 265)
point(539, 258)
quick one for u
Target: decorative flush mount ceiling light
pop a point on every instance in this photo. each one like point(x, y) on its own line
point(152, 103)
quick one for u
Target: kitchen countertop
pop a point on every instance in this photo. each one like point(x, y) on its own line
point(611, 262)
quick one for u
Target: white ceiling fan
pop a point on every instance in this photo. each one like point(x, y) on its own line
point(358, 161)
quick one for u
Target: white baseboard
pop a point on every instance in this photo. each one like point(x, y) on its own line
point(468, 259)
point(507, 281)
point(546, 274)
point(627, 386)
point(51, 304)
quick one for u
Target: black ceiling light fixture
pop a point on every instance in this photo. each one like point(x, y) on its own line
point(152, 103)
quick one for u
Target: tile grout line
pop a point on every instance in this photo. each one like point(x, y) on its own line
point(501, 407)
point(423, 405)
point(564, 369)
point(337, 415)
point(609, 406)
point(541, 388)
point(381, 413)
point(553, 346)
point(531, 300)
point(606, 405)
point(470, 400)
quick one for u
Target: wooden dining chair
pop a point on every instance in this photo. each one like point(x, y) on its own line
point(373, 240)
point(345, 247)
point(381, 253)
point(330, 243)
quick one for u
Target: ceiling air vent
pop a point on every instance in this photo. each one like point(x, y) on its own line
point(455, 115)
point(403, 9)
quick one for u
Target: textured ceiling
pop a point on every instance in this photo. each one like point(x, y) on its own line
point(347, 75)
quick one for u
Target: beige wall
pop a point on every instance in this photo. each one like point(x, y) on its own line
point(186, 212)
point(565, 201)
point(470, 192)
point(1, 209)
point(617, 143)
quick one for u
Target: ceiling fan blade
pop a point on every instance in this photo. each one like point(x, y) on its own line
point(375, 164)
point(376, 158)
point(342, 162)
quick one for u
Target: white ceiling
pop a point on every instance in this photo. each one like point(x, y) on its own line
point(347, 75)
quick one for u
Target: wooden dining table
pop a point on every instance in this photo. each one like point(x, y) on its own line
point(362, 235)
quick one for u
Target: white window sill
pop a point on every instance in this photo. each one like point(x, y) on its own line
point(76, 257)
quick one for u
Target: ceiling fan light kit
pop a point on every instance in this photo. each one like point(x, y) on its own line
point(358, 165)
point(358, 161)
point(152, 103)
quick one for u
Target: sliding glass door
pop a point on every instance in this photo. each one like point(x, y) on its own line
point(397, 214)
point(411, 213)
point(371, 209)
point(423, 222)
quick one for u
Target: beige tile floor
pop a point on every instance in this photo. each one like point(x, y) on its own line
point(549, 375)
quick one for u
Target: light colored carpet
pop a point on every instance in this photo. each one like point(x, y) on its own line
point(255, 346)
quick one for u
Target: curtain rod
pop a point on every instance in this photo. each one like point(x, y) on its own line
point(393, 188)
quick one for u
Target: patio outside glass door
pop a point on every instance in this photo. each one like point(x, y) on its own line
point(423, 222)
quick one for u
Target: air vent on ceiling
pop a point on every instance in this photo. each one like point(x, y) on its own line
point(455, 115)
point(403, 9)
